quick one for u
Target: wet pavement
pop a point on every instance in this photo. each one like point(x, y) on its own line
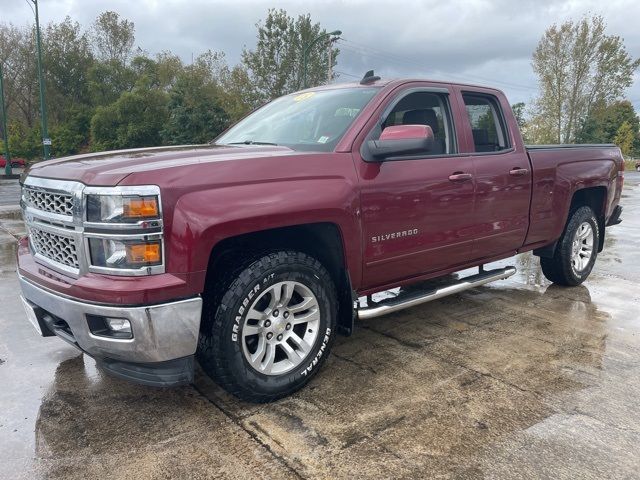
point(518, 379)
point(9, 191)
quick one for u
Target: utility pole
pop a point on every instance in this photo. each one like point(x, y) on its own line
point(305, 53)
point(46, 141)
point(5, 135)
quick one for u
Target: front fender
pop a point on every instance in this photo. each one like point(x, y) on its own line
point(203, 218)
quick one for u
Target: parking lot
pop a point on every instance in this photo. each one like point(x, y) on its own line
point(519, 378)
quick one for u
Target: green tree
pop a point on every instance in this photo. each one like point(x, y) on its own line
point(73, 135)
point(238, 94)
point(134, 120)
point(195, 113)
point(625, 138)
point(108, 80)
point(603, 123)
point(113, 37)
point(17, 53)
point(578, 66)
point(68, 58)
point(518, 112)
point(25, 142)
point(274, 66)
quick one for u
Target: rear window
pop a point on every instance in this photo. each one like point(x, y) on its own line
point(487, 124)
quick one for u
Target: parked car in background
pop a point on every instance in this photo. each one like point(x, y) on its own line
point(251, 253)
point(15, 162)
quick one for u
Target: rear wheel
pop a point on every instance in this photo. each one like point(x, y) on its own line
point(272, 329)
point(576, 251)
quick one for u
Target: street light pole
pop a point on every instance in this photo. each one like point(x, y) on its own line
point(5, 135)
point(46, 141)
point(305, 53)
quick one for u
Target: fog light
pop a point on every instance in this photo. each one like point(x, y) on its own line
point(120, 325)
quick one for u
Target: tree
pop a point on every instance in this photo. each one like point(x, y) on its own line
point(518, 112)
point(579, 66)
point(104, 94)
point(602, 125)
point(108, 80)
point(68, 58)
point(113, 38)
point(134, 120)
point(275, 66)
point(24, 142)
point(195, 112)
point(625, 137)
point(73, 135)
point(238, 94)
point(17, 52)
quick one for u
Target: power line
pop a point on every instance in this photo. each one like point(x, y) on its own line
point(405, 62)
point(347, 74)
point(387, 56)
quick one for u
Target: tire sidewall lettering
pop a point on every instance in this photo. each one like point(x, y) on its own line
point(316, 360)
point(244, 305)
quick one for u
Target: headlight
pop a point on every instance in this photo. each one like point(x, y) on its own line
point(125, 254)
point(122, 208)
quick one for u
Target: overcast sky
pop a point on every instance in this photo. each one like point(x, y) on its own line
point(477, 41)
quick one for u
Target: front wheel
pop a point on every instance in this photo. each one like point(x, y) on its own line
point(576, 251)
point(272, 329)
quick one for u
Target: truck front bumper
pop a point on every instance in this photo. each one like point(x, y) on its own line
point(163, 339)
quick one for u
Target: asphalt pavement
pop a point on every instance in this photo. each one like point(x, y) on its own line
point(517, 379)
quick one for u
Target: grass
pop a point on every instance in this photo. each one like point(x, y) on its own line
point(630, 164)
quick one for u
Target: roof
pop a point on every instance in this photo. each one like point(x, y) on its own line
point(393, 82)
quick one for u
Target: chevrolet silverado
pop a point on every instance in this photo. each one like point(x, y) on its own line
point(251, 253)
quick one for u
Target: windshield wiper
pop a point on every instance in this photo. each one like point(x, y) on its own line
point(251, 142)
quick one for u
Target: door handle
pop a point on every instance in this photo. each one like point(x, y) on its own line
point(460, 177)
point(518, 172)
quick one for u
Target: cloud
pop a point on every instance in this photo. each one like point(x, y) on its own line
point(478, 41)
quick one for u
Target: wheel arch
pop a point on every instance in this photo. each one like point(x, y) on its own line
point(594, 197)
point(323, 241)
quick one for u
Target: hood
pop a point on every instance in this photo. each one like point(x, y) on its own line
point(110, 168)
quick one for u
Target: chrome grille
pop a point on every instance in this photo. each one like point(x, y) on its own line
point(54, 247)
point(50, 202)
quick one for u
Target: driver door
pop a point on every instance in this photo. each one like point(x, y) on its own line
point(418, 209)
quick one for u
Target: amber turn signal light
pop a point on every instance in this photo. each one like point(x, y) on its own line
point(144, 253)
point(140, 207)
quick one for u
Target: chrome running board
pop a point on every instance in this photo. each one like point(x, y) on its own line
point(385, 307)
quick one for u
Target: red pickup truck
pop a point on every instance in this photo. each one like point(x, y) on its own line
point(251, 253)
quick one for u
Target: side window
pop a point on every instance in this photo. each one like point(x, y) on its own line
point(487, 124)
point(425, 108)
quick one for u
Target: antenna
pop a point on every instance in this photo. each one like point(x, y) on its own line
point(369, 77)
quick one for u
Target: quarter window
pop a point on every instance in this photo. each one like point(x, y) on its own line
point(487, 124)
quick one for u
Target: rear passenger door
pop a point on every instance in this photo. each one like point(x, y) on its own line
point(502, 175)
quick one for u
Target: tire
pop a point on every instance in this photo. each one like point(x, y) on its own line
point(250, 326)
point(569, 265)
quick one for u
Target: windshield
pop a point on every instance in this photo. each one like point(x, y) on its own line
point(310, 121)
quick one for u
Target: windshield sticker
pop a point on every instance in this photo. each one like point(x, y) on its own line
point(303, 96)
point(323, 139)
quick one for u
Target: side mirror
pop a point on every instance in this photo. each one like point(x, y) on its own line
point(400, 140)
